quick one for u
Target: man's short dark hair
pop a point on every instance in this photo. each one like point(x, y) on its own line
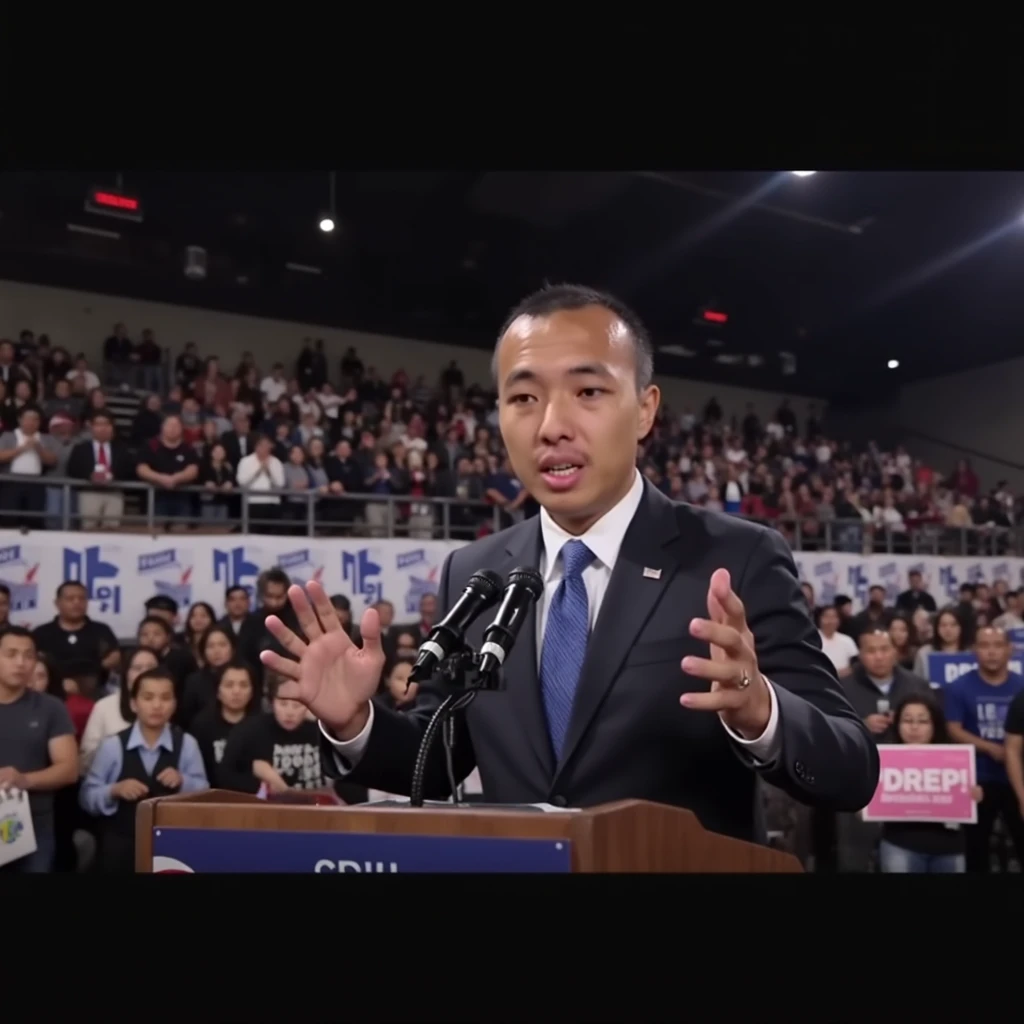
point(20, 631)
point(69, 584)
point(162, 603)
point(562, 297)
point(275, 575)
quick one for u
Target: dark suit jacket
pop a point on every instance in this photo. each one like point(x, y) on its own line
point(233, 449)
point(82, 461)
point(629, 737)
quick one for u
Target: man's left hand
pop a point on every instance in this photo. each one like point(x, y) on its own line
point(738, 690)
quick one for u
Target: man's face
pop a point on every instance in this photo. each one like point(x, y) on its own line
point(876, 597)
point(878, 655)
point(993, 649)
point(290, 714)
point(153, 637)
point(237, 604)
point(164, 613)
point(72, 603)
point(915, 581)
point(428, 608)
point(17, 660)
point(569, 410)
point(275, 596)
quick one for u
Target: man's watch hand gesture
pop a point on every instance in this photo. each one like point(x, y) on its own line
point(330, 675)
point(739, 692)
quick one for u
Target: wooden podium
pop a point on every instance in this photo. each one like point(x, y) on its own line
point(627, 836)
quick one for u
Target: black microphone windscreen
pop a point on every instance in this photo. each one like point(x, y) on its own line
point(488, 582)
point(528, 578)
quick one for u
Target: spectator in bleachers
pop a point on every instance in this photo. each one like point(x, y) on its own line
point(217, 648)
point(38, 753)
point(25, 454)
point(904, 640)
point(977, 705)
point(949, 635)
point(150, 758)
point(236, 698)
point(199, 619)
point(168, 464)
point(839, 648)
point(157, 636)
point(259, 474)
point(916, 595)
point(922, 847)
point(277, 749)
point(103, 461)
point(112, 713)
point(5, 606)
point(72, 636)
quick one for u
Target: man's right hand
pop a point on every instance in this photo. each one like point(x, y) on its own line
point(129, 789)
point(331, 676)
point(877, 723)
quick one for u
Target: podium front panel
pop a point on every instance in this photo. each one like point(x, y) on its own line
point(241, 851)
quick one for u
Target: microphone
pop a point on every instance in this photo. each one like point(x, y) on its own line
point(524, 587)
point(482, 592)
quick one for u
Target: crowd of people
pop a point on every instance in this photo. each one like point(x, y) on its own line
point(352, 442)
point(881, 656)
point(88, 728)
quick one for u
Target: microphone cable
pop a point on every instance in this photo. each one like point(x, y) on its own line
point(452, 703)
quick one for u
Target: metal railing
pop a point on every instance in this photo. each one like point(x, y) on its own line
point(238, 510)
point(311, 513)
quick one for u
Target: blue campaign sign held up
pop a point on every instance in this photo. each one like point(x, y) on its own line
point(944, 669)
point(238, 851)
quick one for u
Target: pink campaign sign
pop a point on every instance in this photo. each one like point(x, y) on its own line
point(926, 782)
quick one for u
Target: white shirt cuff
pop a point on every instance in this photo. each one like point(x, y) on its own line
point(348, 752)
point(767, 747)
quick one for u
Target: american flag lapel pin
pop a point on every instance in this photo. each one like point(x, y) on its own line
point(652, 574)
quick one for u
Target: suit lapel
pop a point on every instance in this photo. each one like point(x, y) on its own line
point(630, 599)
point(522, 683)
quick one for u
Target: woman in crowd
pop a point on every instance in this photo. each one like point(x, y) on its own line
point(199, 619)
point(950, 637)
point(213, 726)
point(216, 648)
point(936, 848)
point(901, 632)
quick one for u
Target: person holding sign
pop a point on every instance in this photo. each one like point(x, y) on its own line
point(976, 706)
point(922, 847)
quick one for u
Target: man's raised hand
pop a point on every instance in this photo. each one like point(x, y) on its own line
point(330, 675)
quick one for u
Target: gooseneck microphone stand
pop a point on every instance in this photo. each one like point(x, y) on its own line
point(460, 674)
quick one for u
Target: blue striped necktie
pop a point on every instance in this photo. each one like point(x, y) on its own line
point(565, 642)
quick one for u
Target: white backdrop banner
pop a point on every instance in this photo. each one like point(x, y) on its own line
point(831, 574)
point(121, 572)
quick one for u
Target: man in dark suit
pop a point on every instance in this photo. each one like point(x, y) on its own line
point(240, 440)
point(103, 461)
point(645, 673)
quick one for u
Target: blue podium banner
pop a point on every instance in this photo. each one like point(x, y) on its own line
point(237, 851)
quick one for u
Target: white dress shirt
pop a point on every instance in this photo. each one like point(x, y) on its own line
point(254, 477)
point(604, 539)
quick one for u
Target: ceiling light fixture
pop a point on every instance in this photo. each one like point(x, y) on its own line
point(803, 174)
point(893, 364)
point(326, 224)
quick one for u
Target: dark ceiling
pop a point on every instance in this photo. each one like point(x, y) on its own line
point(842, 270)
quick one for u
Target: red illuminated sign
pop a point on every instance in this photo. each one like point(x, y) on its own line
point(113, 204)
point(715, 318)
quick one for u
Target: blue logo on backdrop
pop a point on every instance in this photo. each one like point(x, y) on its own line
point(232, 569)
point(976, 573)
point(300, 565)
point(237, 851)
point(358, 570)
point(1001, 571)
point(826, 581)
point(180, 589)
point(889, 577)
point(858, 582)
point(421, 584)
point(89, 569)
point(949, 581)
point(20, 578)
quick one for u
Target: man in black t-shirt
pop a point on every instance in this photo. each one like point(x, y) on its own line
point(168, 464)
point(72, 636)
